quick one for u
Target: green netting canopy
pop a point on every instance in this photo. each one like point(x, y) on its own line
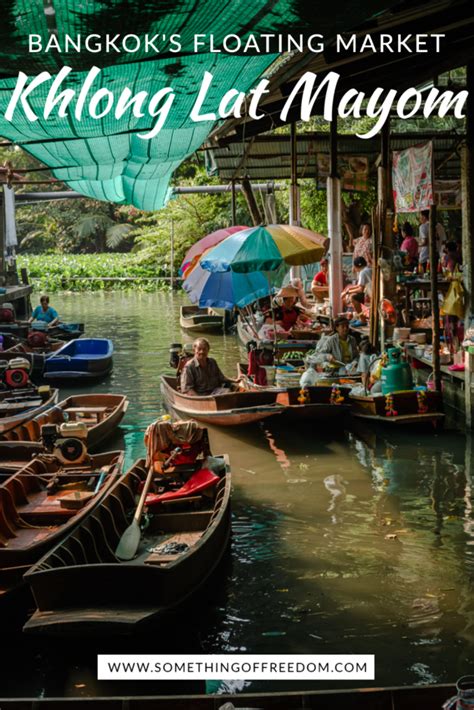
point(104, 158)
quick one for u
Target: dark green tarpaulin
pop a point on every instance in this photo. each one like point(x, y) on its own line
point(105, 158)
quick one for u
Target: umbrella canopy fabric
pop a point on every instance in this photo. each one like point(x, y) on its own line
point(198, 249)
point(225, 289)
point(265, 248)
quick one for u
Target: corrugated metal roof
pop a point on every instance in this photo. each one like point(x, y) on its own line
point(268, 157)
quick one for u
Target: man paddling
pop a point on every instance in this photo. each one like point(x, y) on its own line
point(202, 376)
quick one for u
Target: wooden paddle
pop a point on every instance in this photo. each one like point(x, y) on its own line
point(128, 543)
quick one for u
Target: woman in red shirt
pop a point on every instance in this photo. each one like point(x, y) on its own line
point(319, 287)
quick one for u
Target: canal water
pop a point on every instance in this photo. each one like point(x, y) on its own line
point(343, 541)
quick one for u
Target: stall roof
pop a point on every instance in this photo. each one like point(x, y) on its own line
point(268, 157)
point(367, 70)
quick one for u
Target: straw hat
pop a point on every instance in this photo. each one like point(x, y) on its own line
point(288, 292)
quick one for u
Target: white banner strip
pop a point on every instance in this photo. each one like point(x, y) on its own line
point(236, 666)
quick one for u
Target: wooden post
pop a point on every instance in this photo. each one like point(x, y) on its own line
point(294, 217)
point(294, 212)
point(467, 174)
point(251, 202)
point(233, 204)
point(172, 254)
point(334, 225)
point(434, 298)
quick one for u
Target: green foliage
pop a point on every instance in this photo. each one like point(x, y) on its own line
point(55, 272)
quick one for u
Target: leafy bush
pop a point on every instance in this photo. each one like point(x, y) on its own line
point(56, 272)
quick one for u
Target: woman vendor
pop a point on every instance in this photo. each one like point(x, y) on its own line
point(339, 348)
point(288, 315)
point(44, 312)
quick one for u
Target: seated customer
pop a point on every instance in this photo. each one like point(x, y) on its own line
point(320, 285)
point(44, 312)
point(201, 375)
point(359, 294)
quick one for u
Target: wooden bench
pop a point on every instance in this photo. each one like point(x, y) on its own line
point(98, 412)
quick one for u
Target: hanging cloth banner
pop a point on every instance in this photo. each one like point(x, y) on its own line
point(412, 178)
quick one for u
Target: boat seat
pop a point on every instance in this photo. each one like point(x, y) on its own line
point(98, 412)
point(20, 406)
point(48, 507)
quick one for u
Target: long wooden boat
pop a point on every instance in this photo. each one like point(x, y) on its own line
point(320, 403)
point(223, 409)
point(36, 342)
point(63, 331)
point(410, 407)
point(80, 360)
point(81, 587)
point(424, 697)
point(101, 413)
point(42, 502)
point(18, 406)
point(200, 320)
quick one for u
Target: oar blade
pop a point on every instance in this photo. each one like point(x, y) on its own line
point(129, 542)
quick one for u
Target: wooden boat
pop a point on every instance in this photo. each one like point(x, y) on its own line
point(18, 406)
point(42, 502)
point(80, 360)
point(409, 407)
point(320, 403)
point(223, 409)
point(101, 413)
point(36, 342)
point(200, 320)
point(81, 587)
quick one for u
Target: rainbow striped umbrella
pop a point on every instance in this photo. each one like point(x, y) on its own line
point(265, 248)
point(197, 250)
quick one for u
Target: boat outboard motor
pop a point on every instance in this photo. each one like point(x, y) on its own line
point(17, 374)
point(49, 436)
point(7, 313)
point(37, 339)
point(71, 445)
point(175, 353)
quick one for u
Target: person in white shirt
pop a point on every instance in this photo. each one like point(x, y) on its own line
point(359, 294)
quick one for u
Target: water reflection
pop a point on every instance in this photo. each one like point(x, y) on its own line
point(343, 541)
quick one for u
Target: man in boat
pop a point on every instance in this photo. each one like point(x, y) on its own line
point(340, 348)
point(45, 313)
point(201, 375)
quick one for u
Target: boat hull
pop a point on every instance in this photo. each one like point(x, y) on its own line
point(231, 409)
point(112, 597)
point(33, 521)
point(400, 408)
point(7, 423)
point(102, 413)
point(80, 360)
point(200, 320)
